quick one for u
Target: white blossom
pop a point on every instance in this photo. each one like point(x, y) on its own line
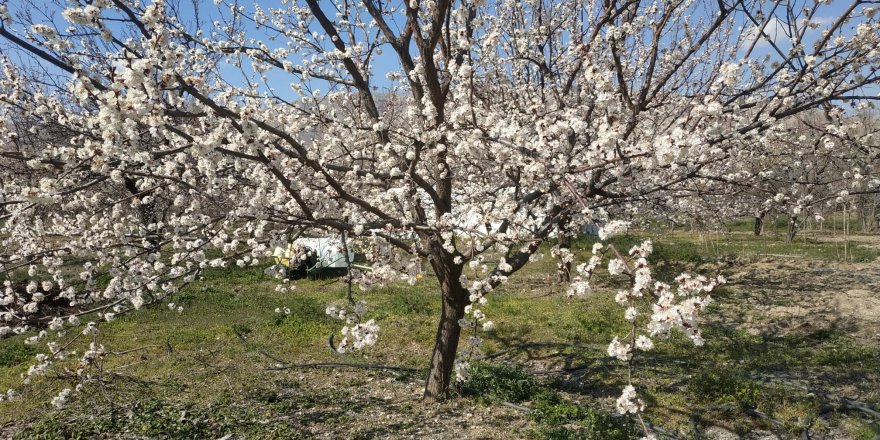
point(628, 402)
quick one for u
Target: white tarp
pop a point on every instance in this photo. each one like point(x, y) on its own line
point(329, 251)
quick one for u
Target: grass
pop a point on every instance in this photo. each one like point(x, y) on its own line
point(833, 223)
point(499, 382)
point(558, 418)
point(197, 378)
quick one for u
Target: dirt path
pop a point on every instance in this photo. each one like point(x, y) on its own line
point(783, 297)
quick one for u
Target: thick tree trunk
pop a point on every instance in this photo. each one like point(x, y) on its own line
point(759, 224)
point(792, 227)
point(455, 298)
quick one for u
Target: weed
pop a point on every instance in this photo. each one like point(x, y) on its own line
point(557, 418)
point(499, 382)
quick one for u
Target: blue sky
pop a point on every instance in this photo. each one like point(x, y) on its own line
point(280, 81)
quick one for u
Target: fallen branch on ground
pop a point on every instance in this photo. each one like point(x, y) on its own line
point(528, 345)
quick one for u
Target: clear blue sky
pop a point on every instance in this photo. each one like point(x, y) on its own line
point(46, 10)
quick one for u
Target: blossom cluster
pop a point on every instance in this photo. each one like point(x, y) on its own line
point(671, 308)
point(356, 334)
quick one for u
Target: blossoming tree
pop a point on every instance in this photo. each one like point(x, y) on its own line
point(801, 169)
point(458, 131)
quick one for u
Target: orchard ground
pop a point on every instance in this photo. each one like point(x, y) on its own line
point(792, 351)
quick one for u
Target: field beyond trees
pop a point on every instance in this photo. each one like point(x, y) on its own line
point(792, 351)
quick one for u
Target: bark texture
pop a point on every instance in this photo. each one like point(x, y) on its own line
point(454, 299)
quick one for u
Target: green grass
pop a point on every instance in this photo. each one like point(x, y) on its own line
point(13, 352)
point(558, 418)
point(501, 382)
point(685, 248)
point(196, 364)
point(833, 223)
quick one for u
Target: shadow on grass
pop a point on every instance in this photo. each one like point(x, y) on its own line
point(738, 381)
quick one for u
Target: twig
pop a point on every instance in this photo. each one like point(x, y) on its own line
point(528, 345)
point(348, 279)
point(760, 415)
point(131, 350)
point(287, 366)
point(516, 407)
point(861, 406)
point(335, 280)
point(662, 431)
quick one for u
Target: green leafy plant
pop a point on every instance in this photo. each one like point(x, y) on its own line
point(557, 418)
point(499, 382)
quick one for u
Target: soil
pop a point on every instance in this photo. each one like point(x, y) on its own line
point(786, 297)
point(395, 410)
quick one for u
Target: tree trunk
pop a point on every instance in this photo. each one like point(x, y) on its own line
point(792, 227)
point(148, 214)
point(563, 268)
point(759, 224)
point(455, 298)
